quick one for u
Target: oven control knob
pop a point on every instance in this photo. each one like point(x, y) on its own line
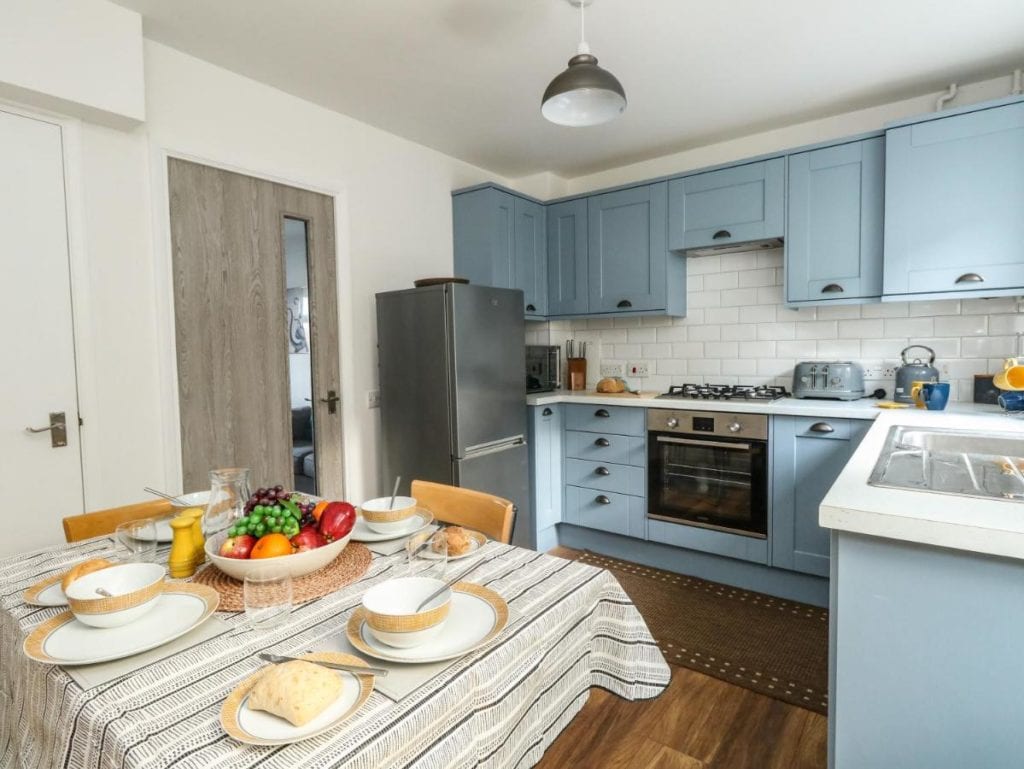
point(734, 427)
point(672, 422)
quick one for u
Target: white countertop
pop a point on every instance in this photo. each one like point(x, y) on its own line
point(992, 526)
point(865, 408)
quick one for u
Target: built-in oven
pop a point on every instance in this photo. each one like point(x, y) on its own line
point(708, 469)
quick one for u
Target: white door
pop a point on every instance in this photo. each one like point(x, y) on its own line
point(41, 484)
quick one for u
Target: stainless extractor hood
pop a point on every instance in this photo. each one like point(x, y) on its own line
point(732, 248)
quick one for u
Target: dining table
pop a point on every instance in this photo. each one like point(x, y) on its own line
point(570, 628)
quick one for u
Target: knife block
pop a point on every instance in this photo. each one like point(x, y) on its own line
point(577, 373)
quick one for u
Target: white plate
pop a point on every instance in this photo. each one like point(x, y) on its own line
point(477, 616)
point(363, 533)
point(257, 727)
point(63, 640)
point(48, 592)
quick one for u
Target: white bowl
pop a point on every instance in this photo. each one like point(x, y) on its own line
point(294, 565)
point(384, 518)
point(134, 587)
point(390, 611)
point(193, 499)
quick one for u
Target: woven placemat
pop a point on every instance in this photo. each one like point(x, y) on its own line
point(349, 566)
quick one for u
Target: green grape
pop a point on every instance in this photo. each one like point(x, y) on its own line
point(233, 531)
point(255, 516)
point(260, 529)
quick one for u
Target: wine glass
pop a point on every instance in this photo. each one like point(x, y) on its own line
point(427, 554)
point(268, 600)
point(135, 541)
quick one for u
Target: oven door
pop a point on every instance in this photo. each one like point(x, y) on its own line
point(715, 483)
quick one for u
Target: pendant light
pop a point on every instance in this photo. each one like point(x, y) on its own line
point(584, 94)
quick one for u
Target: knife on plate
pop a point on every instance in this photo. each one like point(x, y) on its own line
point(357, 669)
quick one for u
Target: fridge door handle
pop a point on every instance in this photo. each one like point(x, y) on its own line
point(494, 446)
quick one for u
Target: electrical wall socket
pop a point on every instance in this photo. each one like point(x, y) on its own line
point(885, 371)
point(611, 369)
point(636, 368)
point(373, 399)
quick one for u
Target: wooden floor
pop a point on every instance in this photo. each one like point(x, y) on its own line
point(699, 722)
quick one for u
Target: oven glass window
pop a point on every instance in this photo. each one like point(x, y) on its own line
point(716, 483)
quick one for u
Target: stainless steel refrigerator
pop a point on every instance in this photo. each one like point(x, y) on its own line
point(452, 391)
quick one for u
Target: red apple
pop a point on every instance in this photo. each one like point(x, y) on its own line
point(308, 538)
point(238, 547)
point(337, 520)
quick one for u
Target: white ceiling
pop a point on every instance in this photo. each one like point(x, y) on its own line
point(466, 76)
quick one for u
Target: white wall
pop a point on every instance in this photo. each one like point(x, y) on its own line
point(83, 57)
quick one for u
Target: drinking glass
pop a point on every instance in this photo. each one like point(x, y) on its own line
point(427, 554)
point(135, 541)
point(268, 600)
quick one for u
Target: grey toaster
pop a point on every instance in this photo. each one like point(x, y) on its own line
point(839, 380)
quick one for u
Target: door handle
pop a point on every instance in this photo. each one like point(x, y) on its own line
point(832, 288)
point(721, 234)
point(58, 429)
point(546, 412)
point(531, 308)
point(603, 443)
point(822, 427)
point(331, 400)
point(602, 471)
point(970, 277)
point(601, 499)
point(624, 303)
point(602, 413)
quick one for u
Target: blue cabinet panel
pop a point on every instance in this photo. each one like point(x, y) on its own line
point(568, 287)
point(732, 205)
point(606, 510)
point(606, 476)
point(483, 223)
point(627, 251)
point(529, 265)
point(954, 197)
point(834, 223)
point(546, 486)
point(807, 455)
point(619, 420)
point(709, 541)
point(606, 447)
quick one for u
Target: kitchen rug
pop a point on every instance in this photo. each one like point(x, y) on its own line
point(349, 566)
point(766, 644)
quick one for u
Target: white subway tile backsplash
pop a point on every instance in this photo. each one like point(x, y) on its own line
point(739, 331)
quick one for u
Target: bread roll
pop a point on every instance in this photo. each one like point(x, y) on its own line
point(85, 567)
point(611, 385)
point(459, 541)
point(297, 691)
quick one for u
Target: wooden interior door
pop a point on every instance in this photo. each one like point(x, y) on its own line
point(227, 236)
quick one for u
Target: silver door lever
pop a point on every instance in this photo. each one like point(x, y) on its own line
point(57, 429)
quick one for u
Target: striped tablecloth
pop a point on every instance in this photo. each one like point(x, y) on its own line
point(572, 628)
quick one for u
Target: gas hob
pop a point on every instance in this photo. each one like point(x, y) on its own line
point(725, 392)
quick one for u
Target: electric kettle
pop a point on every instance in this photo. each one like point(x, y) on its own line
point(914, 371)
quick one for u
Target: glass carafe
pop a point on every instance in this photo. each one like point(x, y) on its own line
point(229, 491)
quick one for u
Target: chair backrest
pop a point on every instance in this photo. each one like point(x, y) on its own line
point(486, 513)
point(77, 527)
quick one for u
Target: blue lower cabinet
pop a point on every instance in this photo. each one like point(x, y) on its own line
point(605, 476)
point(807, 455)
point(606, 447)
point(545, 440)
point(619, 420)
point(607, 511)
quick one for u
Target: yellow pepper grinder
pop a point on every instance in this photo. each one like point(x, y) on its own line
point(181, 561)
point(195, 514)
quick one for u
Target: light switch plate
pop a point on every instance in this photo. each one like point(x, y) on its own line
point(373, 399)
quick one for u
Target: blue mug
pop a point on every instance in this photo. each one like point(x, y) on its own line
point(1011, 401)
point(935, 395)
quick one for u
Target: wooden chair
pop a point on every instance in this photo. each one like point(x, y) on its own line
point(491, 515)
point(78, 527)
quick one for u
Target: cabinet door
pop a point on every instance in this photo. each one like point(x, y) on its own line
point(807, 456)
point(568, 291)
point(546, 468)
point(834, 222)
point(529, 267)
point(954, 204)
point(732, 205)
point(627, 253)
point(483, 228)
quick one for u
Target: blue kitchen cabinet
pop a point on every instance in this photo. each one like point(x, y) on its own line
point(500, 240)
point(630, 269)
point(807, 455)
point(732, 205)
point(568, 280)
point(954, 205)
point(545, 440)
point(834, 213)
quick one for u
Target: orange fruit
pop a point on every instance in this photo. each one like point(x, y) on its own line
point(319, 509)
point(271, 546)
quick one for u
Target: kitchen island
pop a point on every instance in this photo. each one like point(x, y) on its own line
point(926, 615)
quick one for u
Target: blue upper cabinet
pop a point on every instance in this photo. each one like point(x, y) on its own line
point(501, 241)
point(529, 263)
point(729, 206)
point(629, 266)
point(568, 286)
point(954, 205)
point(834, 223)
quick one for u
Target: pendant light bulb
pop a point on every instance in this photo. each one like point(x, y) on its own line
point(584, 94)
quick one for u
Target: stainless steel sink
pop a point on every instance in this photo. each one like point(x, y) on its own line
point(942, 461)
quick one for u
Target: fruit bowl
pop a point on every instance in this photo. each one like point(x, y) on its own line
point(293, 565)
